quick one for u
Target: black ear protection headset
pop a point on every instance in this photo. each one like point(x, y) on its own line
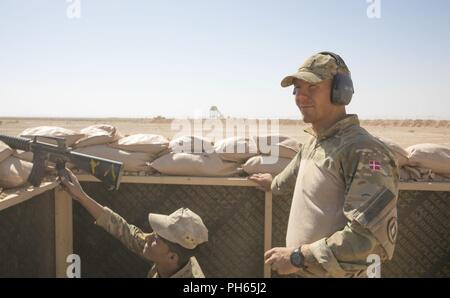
point(342, 86)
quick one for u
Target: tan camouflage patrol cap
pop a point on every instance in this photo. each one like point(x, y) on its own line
point(315, 69)
point(183, 227)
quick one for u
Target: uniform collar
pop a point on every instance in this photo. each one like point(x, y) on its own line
point(348, 121)
point(191, 269)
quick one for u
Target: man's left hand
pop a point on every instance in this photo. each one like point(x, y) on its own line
point(279, 258)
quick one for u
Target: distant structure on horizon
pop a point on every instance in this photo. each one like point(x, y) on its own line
point(214, 113)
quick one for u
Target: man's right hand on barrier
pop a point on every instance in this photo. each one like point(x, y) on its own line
point(264, 181)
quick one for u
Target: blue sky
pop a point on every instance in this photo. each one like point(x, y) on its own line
point(177, 58)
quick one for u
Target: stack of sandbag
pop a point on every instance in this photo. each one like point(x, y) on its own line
point(146, 143)
point(400, 154)
point(134, 151)
point(197, 156)
point(98, 134)
point(277, 152)
point(142, 146)
point(193, 156)
point(430, 156)
point(265, 164)
point(281, 146)
point(191, 144)
point(13, 171)
point(89, 136)
point(428, 162)
point(408, 173)
point(132, 161)
point(5, 151)
point(236, 149)
point(68, 135)
point(404, 174)
point(23, 155)
point(194, 164)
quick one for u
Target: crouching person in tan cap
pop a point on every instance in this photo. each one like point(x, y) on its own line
point(171, 246)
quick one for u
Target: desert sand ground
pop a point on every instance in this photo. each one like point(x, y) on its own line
point(403, 132)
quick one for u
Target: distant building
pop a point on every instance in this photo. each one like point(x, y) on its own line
point(214, 113)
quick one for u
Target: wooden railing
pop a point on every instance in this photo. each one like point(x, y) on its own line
point(63, 205)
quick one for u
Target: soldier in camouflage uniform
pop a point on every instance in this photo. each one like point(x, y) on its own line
point(171, 245)
point(344, 184)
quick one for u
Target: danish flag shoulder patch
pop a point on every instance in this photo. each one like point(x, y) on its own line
point(374, 165)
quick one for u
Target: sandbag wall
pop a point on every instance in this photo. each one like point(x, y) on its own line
point(148, 154)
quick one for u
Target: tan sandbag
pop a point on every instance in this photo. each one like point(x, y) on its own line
point(98, 134)
point(404, 174)
point(236, 149)
point(429, 175)
point(285, 146)
point(52, 131)
point(23, 155)
point(400, 153)
point(132, 161)
point(430, 156)
point(423, 174)
point(265, 164)
point(412, 172)
point(194, 164)
point(14, 172)
point(441, 178)
point(148, 143)
point(191, 144)
point(5, 151)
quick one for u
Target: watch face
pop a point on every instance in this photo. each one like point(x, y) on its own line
point(296, 258)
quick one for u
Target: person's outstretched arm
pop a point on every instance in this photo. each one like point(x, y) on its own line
point(130, 236)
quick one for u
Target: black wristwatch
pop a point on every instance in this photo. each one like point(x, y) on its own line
point(297, 259)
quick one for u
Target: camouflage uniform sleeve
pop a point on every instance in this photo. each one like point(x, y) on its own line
point(284, 182)
point(371, 179)
point(130, 236)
